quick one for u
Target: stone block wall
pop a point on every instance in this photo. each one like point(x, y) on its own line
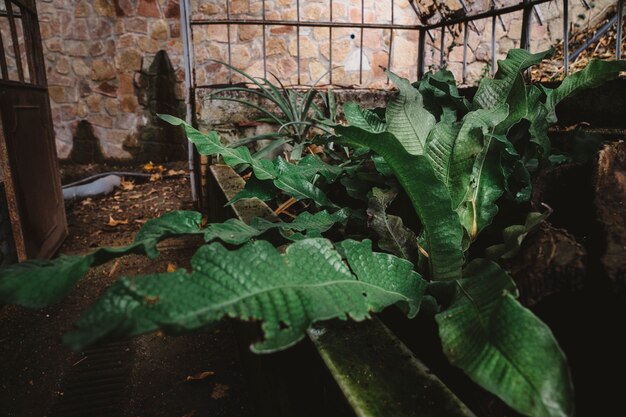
point(100, 54)
point(96, 52)
point(281, 46)
point(211, 42)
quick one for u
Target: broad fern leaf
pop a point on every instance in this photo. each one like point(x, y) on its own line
point(286, 292)
point(503, 346)
point(407, 118)
point(364, 118)
point(429, 196)
point(494, 92)
point(37, 283)
point(593, 75)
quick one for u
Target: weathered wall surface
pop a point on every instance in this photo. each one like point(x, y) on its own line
point(102, 72)
point(97, 55)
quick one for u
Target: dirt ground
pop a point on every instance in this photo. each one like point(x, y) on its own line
point(39, 376)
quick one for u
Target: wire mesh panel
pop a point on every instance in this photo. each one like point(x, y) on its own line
point(339, 42)
point(350, 42)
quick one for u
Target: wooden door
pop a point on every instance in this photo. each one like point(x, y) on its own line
point(27, 149)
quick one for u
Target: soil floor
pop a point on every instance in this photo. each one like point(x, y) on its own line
point(153, 375)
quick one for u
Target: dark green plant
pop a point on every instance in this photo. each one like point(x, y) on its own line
point(454, 160)
point(294, 112)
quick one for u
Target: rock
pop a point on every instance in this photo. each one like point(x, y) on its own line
point(57, 93)
point(80, 68)
point(610, 204)
point(107, 89)
point(129, 60)
point(104, 8)
point(102, 70)
point(159, 30)
point(172, 10)
point(550, 261)
point(148, 8)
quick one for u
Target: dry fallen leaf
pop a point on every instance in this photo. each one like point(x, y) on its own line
point(127, 185)
point(87, 202)
point(150, 167)
point(172, 172)
point(112, 222)
point(200, 376)
point(192, 413)
point(155, 176)
point(141, 221)
point(171, 267)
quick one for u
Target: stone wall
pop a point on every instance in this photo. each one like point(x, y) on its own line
point(96, 53)
point(100, 55)
point(211, 42)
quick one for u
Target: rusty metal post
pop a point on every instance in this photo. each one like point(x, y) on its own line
point(421, 54)
point(526, 20)
point(565, 37)
point(620, 22)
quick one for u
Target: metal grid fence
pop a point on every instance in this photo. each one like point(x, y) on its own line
point(463, 18)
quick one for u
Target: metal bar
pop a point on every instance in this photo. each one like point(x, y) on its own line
point(24, 5)
point(28, 23)
point(264, 42)
point(361, 46)
point(620, 20)
point(485, 14)
point(442, 46)
point(565, 37)
point(450, 22)
point(187, 61)
point(465, 35)
point(594, 38)
point(330, 46)
point(421, 54)
point(16, 46)
point(526, 19)
point(444, 19)
point(538, 15)
point(495, 7)
point(393, 16)
point(298, 39)
point(230, 54)
point(466, 11)
point(205, 22)
point(3, 61)
point(493, 44)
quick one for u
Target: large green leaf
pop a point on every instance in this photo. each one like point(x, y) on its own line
point(37, 284)
point(407, 118)
point(427, 193)
point(593, 75)
point(364, 118)
point(291, 180)
point(393, 236)
point(493, 93)
point(210, 144)
point(458, 155)
point(503, 346)
point(478, 208)
point(441, 96)
point(513, 237)
point(287, 292)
